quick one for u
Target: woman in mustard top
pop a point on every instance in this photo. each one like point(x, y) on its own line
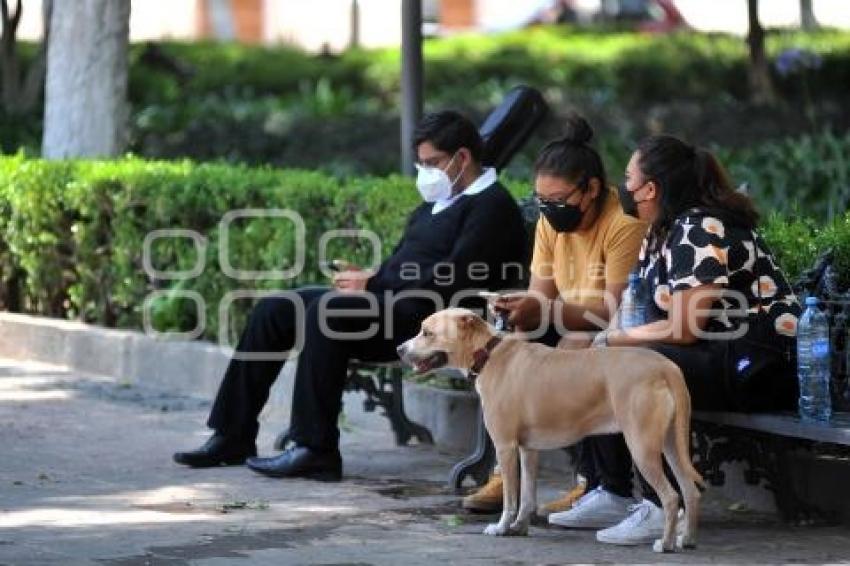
point(584, 248)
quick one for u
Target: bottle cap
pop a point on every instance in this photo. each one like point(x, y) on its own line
point(811, 301)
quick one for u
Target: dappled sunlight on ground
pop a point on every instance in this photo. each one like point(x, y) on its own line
point(20, 387)
point(29, 396)
point(20, 367)
point(155, 496)
point(75, 518)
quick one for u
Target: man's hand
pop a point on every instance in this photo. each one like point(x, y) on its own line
point(352, 280)
point(525, 311)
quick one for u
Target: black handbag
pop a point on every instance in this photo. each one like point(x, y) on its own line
point(761, 370)
point(761, 365)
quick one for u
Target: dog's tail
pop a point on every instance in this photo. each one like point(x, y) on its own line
point(682, 422)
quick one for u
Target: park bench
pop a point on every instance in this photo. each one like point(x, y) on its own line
point(766, 443)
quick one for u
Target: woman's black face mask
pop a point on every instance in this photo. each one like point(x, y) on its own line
point(627, 201)
point(563, 217)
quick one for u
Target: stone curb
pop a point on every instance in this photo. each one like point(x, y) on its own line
point(188, 368)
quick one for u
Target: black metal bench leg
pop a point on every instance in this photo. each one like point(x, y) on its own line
point(777, 451)
point(480, 463)
point(383, 387)
point(402, 426)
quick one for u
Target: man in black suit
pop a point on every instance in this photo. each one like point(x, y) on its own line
point(467, 234)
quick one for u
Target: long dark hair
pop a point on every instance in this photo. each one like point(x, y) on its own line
point(571, 158)
point(690, 178)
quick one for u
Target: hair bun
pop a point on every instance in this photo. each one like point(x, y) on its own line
point(576, 130)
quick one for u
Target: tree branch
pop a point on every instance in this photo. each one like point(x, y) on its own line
point(760, 83)
point(16, 17)
point(7, 25)
point(34, 81)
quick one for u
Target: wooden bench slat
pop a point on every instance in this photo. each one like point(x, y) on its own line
point(837, 431)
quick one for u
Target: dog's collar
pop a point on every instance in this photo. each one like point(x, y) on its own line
point(481, 356)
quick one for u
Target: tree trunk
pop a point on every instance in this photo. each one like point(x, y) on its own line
point(86, 109)
point(761, 87)
point(807, 15)
point(354, 40)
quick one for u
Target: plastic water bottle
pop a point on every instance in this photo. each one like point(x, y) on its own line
point(632, 310)
point(813, 364)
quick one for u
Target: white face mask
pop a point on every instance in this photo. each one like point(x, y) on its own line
point(434, 184)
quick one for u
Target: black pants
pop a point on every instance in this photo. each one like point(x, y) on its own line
point(322, 364)
point(704, 366)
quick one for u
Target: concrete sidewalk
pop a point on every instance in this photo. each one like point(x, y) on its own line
point(86, 477)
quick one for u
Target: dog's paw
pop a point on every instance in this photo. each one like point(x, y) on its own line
point(495, 530)
point(685, 542)
point(658, 546)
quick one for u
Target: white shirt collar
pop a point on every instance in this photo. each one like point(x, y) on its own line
point(487, 179)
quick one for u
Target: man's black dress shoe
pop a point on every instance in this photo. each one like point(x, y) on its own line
point(300, 462)
point(219, 450)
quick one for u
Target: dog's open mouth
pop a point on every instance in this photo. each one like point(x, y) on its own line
point(436, 360)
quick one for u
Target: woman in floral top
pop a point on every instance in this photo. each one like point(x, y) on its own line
point(717, 305)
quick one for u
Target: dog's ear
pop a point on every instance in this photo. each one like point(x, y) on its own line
point(469, 322)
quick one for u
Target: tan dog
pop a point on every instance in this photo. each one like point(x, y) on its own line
point(540, 398)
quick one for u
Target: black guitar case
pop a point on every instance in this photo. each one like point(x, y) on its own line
point(510, 124)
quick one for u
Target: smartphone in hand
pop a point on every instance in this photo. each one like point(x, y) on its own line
point(502, 323)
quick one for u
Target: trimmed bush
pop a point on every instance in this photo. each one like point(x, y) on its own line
point(809, 174)
point(74, 234)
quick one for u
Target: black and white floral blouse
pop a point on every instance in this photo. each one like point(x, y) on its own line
point(701, 250)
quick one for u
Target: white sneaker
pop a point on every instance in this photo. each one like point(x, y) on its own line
point(595, 510)
point(645, 524)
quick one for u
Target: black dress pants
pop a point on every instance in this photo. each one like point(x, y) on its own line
point(704, 366)
point(336, 327)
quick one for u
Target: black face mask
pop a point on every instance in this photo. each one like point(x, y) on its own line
point(562, 217)
point(627, 201)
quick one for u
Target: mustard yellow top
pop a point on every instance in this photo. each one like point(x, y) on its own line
point(582, 263)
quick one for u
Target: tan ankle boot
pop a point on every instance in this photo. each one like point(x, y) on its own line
point(564, 503)
point(488, 499)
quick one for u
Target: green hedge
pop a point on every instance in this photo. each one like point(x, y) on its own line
point(262, 105)
point(73, 233)
point(633, 67)
point(809, 174)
